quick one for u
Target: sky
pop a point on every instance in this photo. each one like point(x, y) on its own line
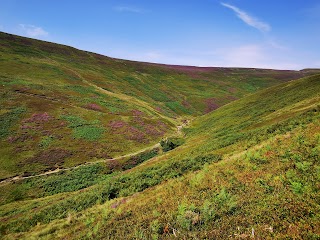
point(279, 34)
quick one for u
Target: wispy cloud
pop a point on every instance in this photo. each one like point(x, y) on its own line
point(260, 55)
point(128, 9)
point(250, 20)
point(254, 55)
point(247, 55)
point(277, 45)
point(33, 31)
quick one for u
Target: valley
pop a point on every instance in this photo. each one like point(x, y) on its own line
point(94, 147)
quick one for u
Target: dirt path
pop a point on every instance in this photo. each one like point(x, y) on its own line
point(184, 124)
point(18, 178)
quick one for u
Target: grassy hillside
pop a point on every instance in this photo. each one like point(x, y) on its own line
point(248, 169)
point(62, 107)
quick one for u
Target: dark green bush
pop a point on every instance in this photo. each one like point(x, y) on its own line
point(170, 143)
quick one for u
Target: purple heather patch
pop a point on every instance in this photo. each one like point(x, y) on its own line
point(38, 117)
point(137, 113)
point(116, 124)
point(151, 130)
point(22, 138)
point(93, 106)
point(211, 105)
point(138, 129)
point(158, 109)
point(136, 135)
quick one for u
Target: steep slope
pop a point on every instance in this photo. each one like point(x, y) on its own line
point(63, 107)
point(248, 169)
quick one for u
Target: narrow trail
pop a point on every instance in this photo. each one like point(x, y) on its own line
point(19, 178)
point(184, 124)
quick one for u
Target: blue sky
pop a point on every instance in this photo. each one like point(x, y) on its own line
point(281, 34)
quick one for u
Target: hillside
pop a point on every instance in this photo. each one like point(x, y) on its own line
point(249, 169)
point(62, 107)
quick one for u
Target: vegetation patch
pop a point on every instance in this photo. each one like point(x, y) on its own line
point(46, 141)
point(83, 129)
point(74, 180)
point(116, 165)
point(109, 188)
point(138, 129)
point(91, 133)
point(81, 89)
point(168, 144)
point(211, 105)
point(9, 119)
point(50, 158)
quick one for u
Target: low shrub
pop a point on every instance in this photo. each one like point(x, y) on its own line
point(171, 143)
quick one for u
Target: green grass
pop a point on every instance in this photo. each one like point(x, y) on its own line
point(90, 133)
point(9, 119)
point(83, 129)
point(46, 141)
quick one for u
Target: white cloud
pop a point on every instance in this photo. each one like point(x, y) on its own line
point(33, 31)
point(276, 45)
point(256, 56)
point(128, 9)
point(251, 21)
point(248, 55)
